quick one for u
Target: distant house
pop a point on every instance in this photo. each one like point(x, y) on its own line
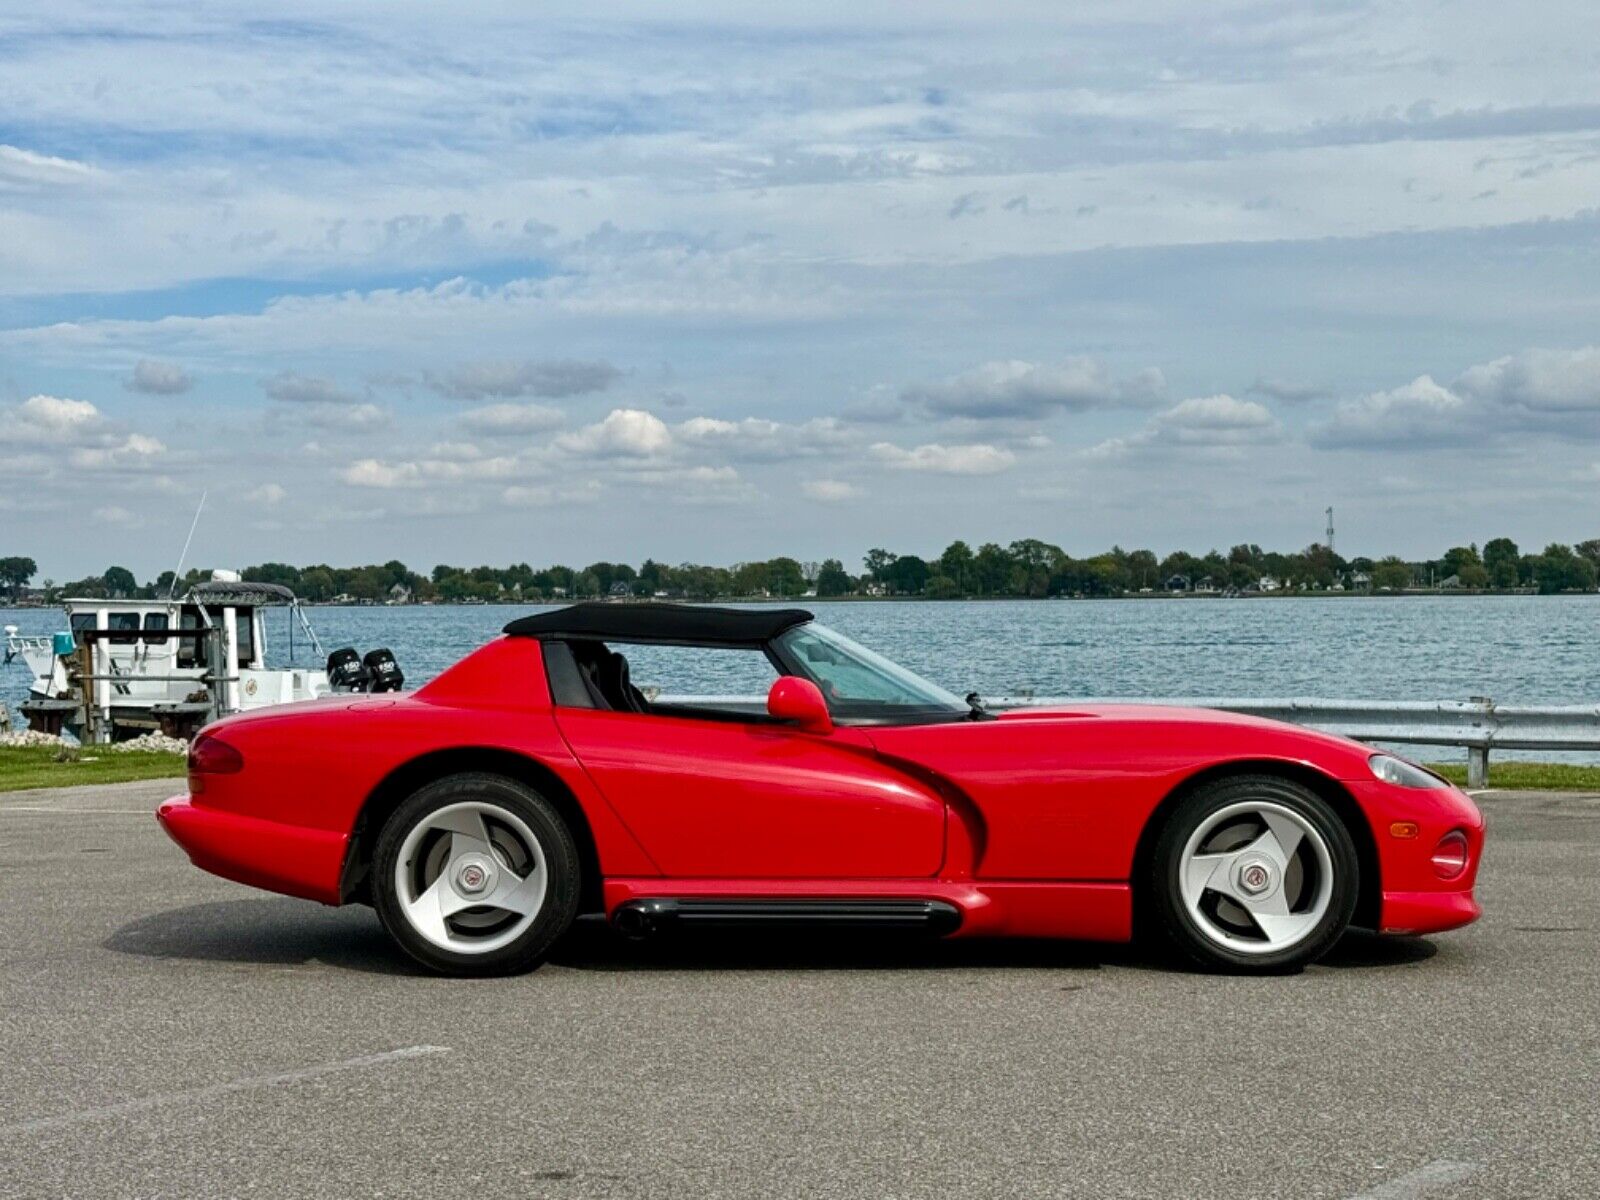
point(399, 594)
point(1177, 583)
point(619, 591)
point(1268, 584)
point(1450, 581)
point(1361, 580)
point(558, 592)
point(1206, 587)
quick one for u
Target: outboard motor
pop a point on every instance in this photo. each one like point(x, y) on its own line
point(346, 672)
point(383, 672)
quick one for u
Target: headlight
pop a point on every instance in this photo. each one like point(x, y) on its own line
point(1403, 774)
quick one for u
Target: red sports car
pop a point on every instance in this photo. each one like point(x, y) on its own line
point(534, 781)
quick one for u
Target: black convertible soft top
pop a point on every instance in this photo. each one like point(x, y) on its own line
point(240, 593)
point(691, 624)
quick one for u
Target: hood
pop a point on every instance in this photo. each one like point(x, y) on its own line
point(1135, 736)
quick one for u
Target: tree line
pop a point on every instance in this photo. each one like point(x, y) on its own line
point(1028, 568)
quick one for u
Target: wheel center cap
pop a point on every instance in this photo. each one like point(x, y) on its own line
point(1255, 878)
point(472, 877)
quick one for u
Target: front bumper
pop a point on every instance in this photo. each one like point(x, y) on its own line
point(1413, 898)
point(283, 858)
point(1428, 912)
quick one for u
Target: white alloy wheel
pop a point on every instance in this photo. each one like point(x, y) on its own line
point(1256, 877)
point(470, 877)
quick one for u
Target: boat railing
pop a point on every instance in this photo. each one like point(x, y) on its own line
point(21, 643)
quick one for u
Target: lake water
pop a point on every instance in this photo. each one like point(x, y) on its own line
point(1527, 649)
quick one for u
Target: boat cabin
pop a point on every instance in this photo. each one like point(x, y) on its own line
point(150, 661)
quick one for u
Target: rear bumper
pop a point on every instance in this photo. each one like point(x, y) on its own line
point(283, 858)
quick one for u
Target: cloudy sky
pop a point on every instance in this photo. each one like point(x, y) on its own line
point(568, 282)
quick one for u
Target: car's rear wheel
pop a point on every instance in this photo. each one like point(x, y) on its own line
point(1254, 873)
point(476, 874)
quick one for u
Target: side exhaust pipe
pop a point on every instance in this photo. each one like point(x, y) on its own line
point(640, 919)
point(649, 916)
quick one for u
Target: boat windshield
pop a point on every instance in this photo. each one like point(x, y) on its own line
point(857, 682)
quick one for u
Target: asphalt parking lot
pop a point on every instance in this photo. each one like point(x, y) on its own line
point(164, 1033)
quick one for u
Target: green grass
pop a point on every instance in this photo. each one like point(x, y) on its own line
point(35, 767)
point(1515, 775)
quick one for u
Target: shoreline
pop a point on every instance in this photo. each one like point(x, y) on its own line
point(1409, 593)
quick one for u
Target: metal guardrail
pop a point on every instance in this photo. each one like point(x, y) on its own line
point(1478, 725)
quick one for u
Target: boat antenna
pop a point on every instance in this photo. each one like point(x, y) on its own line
point(178, 574)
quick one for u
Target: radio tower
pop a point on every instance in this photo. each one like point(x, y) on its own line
point(1330, 531)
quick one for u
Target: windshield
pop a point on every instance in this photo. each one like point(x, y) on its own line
point(856, 681)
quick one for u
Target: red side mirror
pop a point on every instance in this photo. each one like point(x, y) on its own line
point(799, 700)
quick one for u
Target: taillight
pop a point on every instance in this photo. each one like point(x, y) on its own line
point(210, 755)
point(1450, 855)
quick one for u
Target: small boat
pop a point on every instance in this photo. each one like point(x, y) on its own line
point(134, 666)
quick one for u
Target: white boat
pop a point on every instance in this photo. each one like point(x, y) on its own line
point(174, 664)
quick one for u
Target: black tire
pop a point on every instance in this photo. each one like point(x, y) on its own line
point(1170, 916)
point(560, 904)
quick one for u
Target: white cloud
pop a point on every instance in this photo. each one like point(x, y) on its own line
point(759, 440)
point(551, 495)
point(158, 378)
point(505, 379)
point(374, 473)
point(352, 418)
point(451, 466)
point(973, 459)
point(1210, 420)
point(91, 443)
point(624, 433)
point(1287, 391)
point(26, 170)
point(270, 494)
point(53, 419)
point(1015, 388)
point(830, 491)
point(1219, 423)
point(134, 452)
point(1537, 392)
point(510, 419)
point(1538, 381)
point(1420, 412)
point(295, 388)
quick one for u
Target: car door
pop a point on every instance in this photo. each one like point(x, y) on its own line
point(732, 796)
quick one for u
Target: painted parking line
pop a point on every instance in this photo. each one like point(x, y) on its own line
point(249, 1083)
point(77, 812)
point(1424, 1181)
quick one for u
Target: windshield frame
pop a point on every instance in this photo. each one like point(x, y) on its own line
point(938, 704)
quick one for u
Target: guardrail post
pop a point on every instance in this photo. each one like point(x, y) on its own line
point(1477, 766)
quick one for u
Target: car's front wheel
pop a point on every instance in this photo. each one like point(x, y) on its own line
point(1254, 873)
point(476, 874)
